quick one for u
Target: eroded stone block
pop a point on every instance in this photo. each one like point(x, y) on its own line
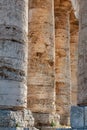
point(22, 118)
point(77, 117)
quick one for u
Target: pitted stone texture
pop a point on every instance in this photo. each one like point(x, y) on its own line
point(16, 118)
point(43, 119)
point(13, 53)
point(77, 117)
point(13, 59)
point(41, 88)
point(62, 63)
point(13, 33)
point(14, 13)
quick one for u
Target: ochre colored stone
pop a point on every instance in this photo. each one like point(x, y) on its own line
point(62, 61)
point(41, 88)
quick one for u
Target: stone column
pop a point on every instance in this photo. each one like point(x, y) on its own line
point(79, 113)
point(62, 61)
point(74, 25)
point(13, 53)
point(41, 87)
point(13, 63)
point(82, 54)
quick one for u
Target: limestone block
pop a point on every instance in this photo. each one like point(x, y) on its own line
point(13, 50)
point(22, 118)
point(12, 93)
point(77, 117)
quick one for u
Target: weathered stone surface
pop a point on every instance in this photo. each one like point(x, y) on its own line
point(16, 118)
point(15, 13)
point(41, 88)
point(62, 61)
point(77, 117)
point(82, 55)
point(13, 53)
point(74, 56)
point(10, 98)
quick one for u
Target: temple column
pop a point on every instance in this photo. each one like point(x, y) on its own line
point(13, 63)
point(62, 61)
point(79, 112)
point(82, 54)
point(41, 86)
point(74, 25)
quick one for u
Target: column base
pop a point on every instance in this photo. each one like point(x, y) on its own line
point(14, 119)
point(78, 117)
point(46, 119)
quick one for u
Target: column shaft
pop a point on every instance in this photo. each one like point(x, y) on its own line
point(73, 56)
point(62, 64)
point(41, 88)
point(13, 53)
point(82, 54)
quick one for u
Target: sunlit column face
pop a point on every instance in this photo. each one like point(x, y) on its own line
point(62, 60)
point(41, 88)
